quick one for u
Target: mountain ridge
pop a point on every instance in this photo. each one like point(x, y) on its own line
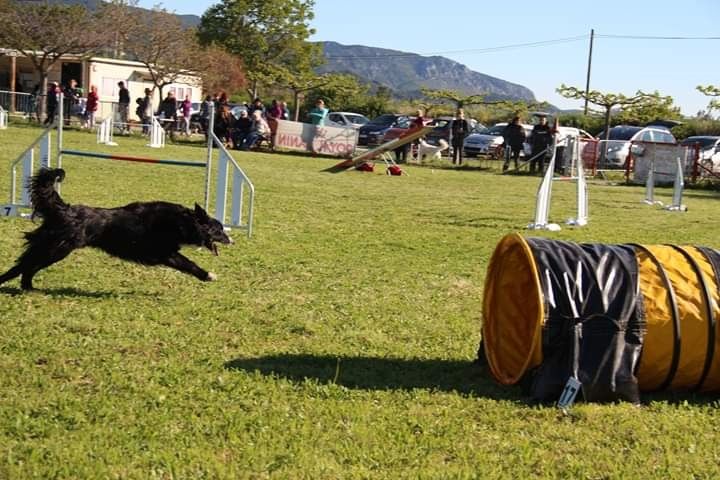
point(410, 72)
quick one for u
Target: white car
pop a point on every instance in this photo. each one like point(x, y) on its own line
point(488, 141)
point(709, 149)
point(615, 153)
point(347, 119)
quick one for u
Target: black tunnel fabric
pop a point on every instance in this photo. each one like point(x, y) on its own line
point(593, 325)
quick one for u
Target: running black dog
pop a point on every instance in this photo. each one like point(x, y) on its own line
point(149, 233)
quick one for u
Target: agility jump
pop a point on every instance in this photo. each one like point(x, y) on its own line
point(241, 214)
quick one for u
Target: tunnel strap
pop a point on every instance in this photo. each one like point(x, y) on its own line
point(710, 351)
point(677, 339)
point(714, 260)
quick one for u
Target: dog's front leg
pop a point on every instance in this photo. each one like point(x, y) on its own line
point(180, 262)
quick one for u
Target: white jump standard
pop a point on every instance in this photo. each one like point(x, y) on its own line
point(242, 187)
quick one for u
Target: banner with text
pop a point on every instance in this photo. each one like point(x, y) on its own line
point(336, 141)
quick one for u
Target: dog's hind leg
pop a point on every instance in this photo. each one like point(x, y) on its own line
point(10, 274)
point(180, 262)
point(34, 260)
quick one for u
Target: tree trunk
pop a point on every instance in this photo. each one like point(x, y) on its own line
point(297, 104)
point(41, 100)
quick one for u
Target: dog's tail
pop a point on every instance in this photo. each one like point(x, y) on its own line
point(44, 197)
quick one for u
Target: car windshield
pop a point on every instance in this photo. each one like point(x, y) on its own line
point(357, 119)
point(386, 119)
point(621, 133)
point(403, 122)
point(705, 142)
point(494, 130)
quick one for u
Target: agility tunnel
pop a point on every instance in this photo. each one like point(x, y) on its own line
point(622, 319)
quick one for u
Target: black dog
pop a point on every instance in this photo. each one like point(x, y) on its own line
point(149, 233)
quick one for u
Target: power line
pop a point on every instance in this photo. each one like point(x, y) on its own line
point(649, 37)
point(474, 50)
point(500, 48)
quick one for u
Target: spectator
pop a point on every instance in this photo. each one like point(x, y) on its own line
point(514, 137)
point(72, 100)
point(91, 106)
point(540, 139)
point(417, 123)
point(319, 113)
point(256, 105)
point(241, 130)
point(459, 130)
point(186, 112)
point(286, 112)
point(317, 117)
point(205, 114)
point(52, 103)
point(259, 130)
point(32, 110)
point(147, 111)
point(123, 107)
point(273, 114)
point(223, 123)
point(168, 113)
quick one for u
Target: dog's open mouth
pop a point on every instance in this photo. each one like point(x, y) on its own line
point(210, 245)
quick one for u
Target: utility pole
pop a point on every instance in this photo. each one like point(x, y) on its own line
point(587, 84)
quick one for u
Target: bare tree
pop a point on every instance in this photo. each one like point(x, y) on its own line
point(159, 41)
point(45, 33)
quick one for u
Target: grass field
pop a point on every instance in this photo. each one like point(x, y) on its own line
point(338, 342)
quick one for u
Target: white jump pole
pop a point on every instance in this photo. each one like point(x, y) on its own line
point(544, 194)
point(157, 134)
point(678, 187)
point(582, 197)
point(105, 132)
point(3, 119)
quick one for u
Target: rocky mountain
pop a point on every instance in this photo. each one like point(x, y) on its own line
point(405, 73)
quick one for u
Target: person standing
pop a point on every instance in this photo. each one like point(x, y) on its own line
point(32, 105)
point(72, 100)
point(540, 139)
point(205, 114)
point(91, 106)
point(417, 123)
point(317, 118)
point(186, 107)
point(123, 107)
point(514, 137)
point(147, 111)
point(52, 103)
point(459, 130)
point(168, 113)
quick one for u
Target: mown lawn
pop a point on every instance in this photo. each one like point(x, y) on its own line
point(338, 342)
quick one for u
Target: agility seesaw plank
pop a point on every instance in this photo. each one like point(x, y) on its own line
point(409, 136)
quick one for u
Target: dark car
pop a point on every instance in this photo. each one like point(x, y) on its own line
point(372, 133)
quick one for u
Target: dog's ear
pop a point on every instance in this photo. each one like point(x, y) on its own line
point(201, 214)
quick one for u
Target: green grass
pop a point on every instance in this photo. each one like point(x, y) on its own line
point(337, 343)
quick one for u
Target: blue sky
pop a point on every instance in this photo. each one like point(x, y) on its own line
point(460, 29)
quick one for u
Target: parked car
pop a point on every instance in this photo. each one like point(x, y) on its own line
point(401, 126)
point(347, 119)
point(372, 133)
point(443, 127)
point(615, 153)
point(489, 141)
point(709, 149)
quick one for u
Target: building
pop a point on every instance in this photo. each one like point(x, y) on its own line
point(18, 77)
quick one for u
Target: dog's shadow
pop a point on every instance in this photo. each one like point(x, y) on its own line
point(58, 292)
point(373, 373)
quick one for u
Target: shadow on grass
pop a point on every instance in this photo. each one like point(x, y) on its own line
point(58, 292)
point(371, 373)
